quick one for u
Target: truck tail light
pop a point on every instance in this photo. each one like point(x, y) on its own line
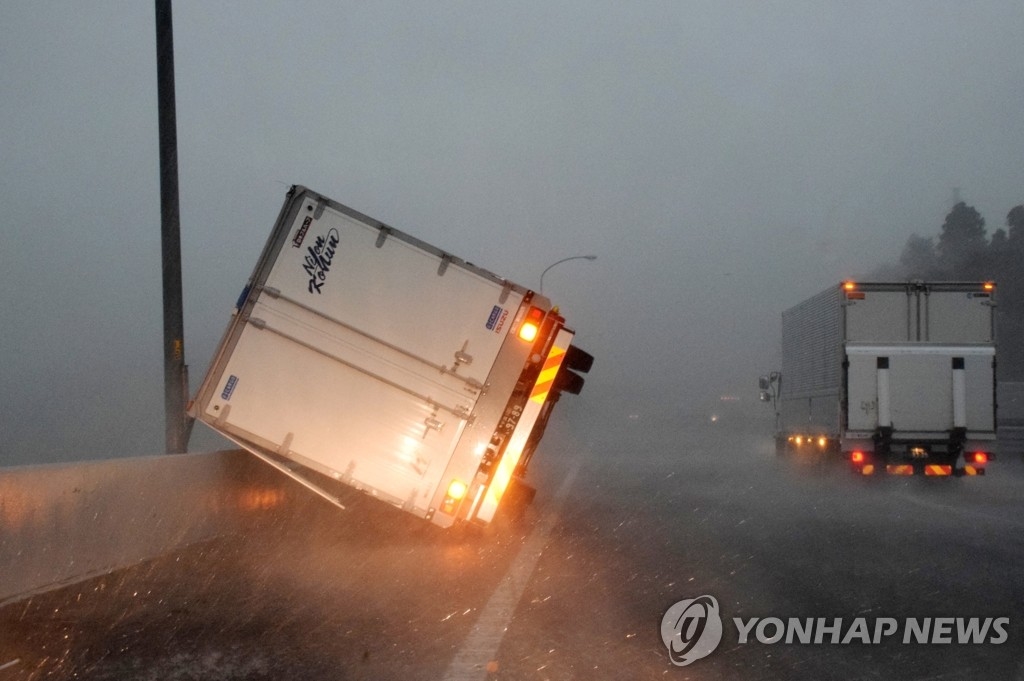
point(979, 457)
point(530, 328)
point(456, 490)
point(857, 457)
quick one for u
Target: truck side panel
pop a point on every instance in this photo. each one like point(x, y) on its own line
point(391, 288)
point(332, 417)
point(812, 365)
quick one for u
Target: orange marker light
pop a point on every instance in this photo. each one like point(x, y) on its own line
point(849, 286)
point(530, 328)
point(457, 489)
point(989, 286)
point(528, 331)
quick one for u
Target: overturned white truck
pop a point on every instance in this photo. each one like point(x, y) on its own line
point(366, 355)
point(898, 377)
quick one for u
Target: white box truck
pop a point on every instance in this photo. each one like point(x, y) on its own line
point(361, 353)
point(897, 377)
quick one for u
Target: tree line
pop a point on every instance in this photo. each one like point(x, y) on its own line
point(963, 251)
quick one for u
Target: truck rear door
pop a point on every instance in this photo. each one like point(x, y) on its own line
point(924, 389)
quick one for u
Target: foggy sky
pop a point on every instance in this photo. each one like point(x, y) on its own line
point(723, 160)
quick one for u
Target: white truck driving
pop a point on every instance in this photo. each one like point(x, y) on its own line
point(898, 377)
point(366, 355)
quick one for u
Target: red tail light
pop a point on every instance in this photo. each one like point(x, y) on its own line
point(980, 457)
point(857, 457)
point(530, 327)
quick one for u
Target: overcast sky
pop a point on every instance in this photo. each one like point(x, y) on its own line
point(724, 160)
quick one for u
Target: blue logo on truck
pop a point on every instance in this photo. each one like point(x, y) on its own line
point(229, 387)
point(497, 319)
point(493, 319)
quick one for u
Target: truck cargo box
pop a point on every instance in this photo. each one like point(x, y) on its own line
point(371, 357)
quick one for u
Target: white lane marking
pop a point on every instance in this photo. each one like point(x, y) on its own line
point(481, 646)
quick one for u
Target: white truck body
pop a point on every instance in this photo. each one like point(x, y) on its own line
point(371, 357)
point(897, 376)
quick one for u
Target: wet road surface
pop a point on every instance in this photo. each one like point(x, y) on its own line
point(631, 516)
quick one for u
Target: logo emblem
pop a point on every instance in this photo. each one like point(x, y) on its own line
point(493, 319)
point(497, 319)
point(691, 629)
point(301, 234)
point(318, 260)
point(229, 387)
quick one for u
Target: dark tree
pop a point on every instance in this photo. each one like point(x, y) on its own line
point(962, 243)
point(999, 241)
point(1015, 224)
point(918, 259)
point(1008, 257)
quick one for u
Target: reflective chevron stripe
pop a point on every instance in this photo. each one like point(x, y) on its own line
point(546, 379)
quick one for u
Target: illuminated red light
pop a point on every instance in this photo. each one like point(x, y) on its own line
point(857, 457)
point(980, 457)
point(530, 328)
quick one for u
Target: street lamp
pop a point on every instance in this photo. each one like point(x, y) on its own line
point(559, 262)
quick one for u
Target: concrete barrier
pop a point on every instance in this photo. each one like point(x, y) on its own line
point(64, 523)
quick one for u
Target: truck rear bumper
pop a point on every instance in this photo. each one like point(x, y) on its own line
point(930, 470)
point(955, 453)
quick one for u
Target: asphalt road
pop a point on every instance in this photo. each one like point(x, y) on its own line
point(632, 515)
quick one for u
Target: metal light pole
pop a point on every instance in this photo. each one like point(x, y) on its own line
point(175, 372)
point(571, 257)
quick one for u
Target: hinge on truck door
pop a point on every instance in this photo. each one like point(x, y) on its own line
point(321, 203)
point(382, 236)
point(431, 423)
point(463, 413)
point(443, 267)
point(462, 357)
point(286, 445)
